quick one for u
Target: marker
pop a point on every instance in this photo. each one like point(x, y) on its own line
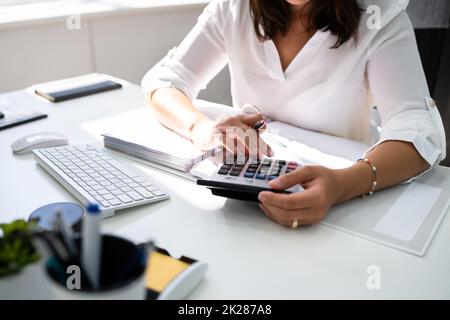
point(91, 245)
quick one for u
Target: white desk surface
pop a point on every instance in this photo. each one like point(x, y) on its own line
point(249, 256)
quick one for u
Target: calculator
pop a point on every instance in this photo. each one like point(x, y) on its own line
point(244, 178)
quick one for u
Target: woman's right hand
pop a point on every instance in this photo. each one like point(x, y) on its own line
point(234, 134)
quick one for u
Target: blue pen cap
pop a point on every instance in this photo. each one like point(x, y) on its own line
point(93, 208)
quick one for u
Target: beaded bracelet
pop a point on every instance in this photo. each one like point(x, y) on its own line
point(374, 172)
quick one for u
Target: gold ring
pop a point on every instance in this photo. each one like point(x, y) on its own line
point(294, 224)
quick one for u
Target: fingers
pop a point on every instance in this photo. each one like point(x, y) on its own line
point(299, 176)
point(233, 143)
point(251, 119)
point(301, 200)
point(303, 218)
point(273, 218)
point(238, 135)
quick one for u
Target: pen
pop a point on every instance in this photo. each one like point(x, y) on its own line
point(49, 245)
point(260, 124)
point(91, 245)
point(67, 236)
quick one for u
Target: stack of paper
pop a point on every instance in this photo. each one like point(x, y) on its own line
point(137, 133)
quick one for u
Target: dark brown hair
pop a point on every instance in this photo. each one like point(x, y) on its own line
point(340, 17)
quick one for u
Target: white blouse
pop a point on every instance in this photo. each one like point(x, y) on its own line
point(326, 90)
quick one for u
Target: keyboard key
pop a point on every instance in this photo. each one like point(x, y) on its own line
point(145, 184)
point(106, 183)
point(272, 177)
point(120, 185)
point(135, 196)
point(98, 198)
point(114, 202)
point(152, 188)
point(104, 204)
point(139, 179)
point(116, 192)
point(109, 196)
point(125, 199)
point(105, 156)
point(95, 186)
point(159, 193)
point(143, 192)
point(81, 148)
point(101, 191)
point(111, 187)
point(235, 173)
point(126, 188)
point(261, 176)
point(116, 164)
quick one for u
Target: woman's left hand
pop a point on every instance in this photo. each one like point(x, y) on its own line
point(307, 207)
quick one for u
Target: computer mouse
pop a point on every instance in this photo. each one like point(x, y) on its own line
point(38, 141)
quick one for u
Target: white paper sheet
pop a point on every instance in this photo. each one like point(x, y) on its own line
point(404, 218)
point(139, 126)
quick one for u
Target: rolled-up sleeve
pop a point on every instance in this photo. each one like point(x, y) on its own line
point(202, 54)
point(400, 92)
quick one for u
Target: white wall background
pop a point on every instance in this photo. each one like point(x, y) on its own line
point(124, 44)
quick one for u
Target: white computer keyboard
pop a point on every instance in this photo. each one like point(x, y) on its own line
point(93, 175)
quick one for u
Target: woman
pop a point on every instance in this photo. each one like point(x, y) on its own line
point(317, 64)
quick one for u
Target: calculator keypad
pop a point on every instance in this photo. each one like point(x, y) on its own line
point(267, 169)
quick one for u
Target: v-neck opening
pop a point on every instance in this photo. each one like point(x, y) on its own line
point(312, 43)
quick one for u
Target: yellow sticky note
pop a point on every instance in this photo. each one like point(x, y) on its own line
point(161, 270)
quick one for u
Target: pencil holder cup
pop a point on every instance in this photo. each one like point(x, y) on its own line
point(122, 273)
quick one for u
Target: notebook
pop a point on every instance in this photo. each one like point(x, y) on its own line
point(67, 89)
point(15, 114)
